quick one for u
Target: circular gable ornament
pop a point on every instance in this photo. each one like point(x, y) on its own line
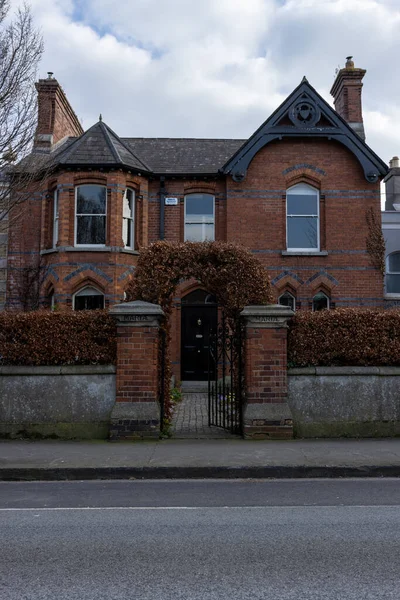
point(304, 114)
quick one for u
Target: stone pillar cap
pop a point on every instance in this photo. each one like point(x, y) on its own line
point(137, 307)
point(276, 310)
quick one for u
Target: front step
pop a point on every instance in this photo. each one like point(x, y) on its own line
point(194, 387)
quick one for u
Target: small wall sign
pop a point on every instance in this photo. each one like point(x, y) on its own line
point(171, 201)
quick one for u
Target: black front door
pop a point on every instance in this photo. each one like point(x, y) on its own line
point(197, 322)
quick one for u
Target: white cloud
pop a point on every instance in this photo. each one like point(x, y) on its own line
point(217, 68)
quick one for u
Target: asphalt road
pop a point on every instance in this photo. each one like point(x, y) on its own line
point(324, 539)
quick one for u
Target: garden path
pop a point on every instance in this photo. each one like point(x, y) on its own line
point(190, 419)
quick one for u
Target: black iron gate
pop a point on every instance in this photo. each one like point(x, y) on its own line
point(226, 377)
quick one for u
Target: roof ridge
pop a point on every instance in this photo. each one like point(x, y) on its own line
point(186, 138)
point(108, 139)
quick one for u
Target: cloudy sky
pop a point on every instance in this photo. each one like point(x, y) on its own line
point(218, 68)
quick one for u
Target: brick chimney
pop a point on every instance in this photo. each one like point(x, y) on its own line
point(392, 183)
point(346, 92)
point(56, 119)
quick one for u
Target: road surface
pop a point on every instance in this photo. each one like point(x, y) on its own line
point(304, 539)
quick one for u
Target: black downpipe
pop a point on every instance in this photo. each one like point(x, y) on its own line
point(162, 207)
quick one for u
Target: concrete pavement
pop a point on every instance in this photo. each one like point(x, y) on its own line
point(235, 458)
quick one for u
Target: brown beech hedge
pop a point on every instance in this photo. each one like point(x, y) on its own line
point(52, 338)
point(228, 270)
point(345, 337)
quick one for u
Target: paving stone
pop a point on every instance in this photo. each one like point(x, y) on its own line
point(190, 419)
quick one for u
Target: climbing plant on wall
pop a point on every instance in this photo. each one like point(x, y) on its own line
point(228, 271)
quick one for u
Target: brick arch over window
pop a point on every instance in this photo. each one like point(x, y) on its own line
point(311, 179)
point(88, 282)
point(200, 187)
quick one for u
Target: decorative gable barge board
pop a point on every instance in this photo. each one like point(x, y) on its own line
point(339, 130)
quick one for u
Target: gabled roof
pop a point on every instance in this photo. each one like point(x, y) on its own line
point(305, 114)
point(100, 146)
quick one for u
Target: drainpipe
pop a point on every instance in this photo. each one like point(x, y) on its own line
point(162, 207)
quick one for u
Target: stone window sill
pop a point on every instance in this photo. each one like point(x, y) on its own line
point(127, 251)
point(305, 253)
point(115, 249)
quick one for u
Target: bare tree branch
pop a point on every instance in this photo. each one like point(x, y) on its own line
point(21, 48)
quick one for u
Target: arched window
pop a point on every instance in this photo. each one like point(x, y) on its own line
point(287, 299)
point(91, 211)
point(393, 273)
point(320, 302)
point(88, 298)
point(128, 219)
point(199, 217)
point(302, 218)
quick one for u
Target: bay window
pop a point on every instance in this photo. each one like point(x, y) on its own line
point(91, 210)
point(55, 218)
point(128, 219)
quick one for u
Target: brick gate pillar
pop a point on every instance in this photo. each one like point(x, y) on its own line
point(136, 413)
point(266, 413)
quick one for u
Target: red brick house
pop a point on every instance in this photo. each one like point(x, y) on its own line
point(296, 193)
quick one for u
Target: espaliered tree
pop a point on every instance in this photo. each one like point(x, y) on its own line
point(228, 271)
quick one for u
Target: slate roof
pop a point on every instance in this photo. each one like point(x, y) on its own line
point(181, 156)
point(99, 145)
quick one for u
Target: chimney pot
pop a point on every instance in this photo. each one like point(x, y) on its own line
point(394, 163)
point(349, 62)
point(50, 74)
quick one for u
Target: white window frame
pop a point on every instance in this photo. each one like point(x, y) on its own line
point(87, 287)
point(312, 191)
point(388, 272)
point(88, 215)
point(56, 211)
point(286, 293)
point(326, 296)
point(210, 222)
point(131, 220)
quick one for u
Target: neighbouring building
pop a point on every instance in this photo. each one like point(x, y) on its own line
point(391, 233)
point(296, 193)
